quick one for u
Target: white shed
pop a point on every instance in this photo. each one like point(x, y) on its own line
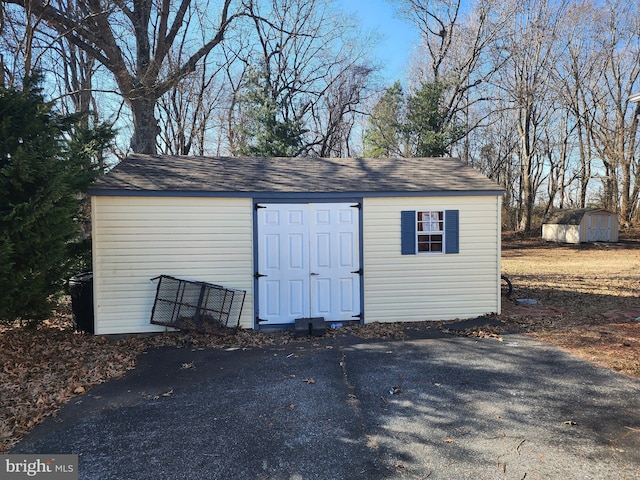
point(581, 225)
point(364, 240)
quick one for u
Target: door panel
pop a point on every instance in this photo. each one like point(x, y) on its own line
point(334, 259)
point(307, 254)
point(298, 298)
point(283, 260)
point(321, 297)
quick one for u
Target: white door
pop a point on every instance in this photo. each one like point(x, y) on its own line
point(599, 227)
point(308, 262)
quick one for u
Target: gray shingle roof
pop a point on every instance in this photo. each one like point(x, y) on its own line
point(570, 216)
point(164, 173)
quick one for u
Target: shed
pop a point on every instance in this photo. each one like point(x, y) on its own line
point(581, 225)
point(348, 240)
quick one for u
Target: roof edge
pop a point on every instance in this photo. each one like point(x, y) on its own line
point(293, 195)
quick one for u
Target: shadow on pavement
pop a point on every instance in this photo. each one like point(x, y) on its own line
point(439, 407)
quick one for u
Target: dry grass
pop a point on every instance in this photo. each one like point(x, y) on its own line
point(589, 298)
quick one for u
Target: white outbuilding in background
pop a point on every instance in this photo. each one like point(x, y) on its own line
point(581, 225)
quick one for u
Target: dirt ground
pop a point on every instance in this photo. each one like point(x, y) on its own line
point(587, 302)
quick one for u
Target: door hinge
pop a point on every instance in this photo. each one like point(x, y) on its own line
point(357, 205)
point(357, 316)
point(359, 271)
point(258, 275)
point(259, 206)
point(260, 320)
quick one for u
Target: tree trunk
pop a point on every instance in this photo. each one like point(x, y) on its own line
point(145, 125)
point(585, 164)
point(528, 203)
point(628, 159)
point(625, 207)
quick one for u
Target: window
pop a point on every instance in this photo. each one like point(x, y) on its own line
point(430, 230)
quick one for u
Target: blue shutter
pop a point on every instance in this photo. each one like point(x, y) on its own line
point(408, 232)
point(451, 231)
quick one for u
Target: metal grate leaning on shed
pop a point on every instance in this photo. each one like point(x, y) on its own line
point(198, 306)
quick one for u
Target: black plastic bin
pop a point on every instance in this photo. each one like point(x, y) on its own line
point(81, 288)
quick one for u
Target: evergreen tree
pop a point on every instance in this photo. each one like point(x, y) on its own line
point(427, 125)
point(264, 132)
point(415, 125)
point(41, 184)
point(384, 136)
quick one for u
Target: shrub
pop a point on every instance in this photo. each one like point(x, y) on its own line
point(41, 196)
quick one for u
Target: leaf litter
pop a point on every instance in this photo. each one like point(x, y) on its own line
point(43, 368)
point(587, 298)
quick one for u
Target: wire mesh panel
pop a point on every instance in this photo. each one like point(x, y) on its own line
point(198, 306)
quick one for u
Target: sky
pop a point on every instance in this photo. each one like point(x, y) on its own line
point(399, 36)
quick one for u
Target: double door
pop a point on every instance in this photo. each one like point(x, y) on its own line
point(599, 227)
point(308, 262)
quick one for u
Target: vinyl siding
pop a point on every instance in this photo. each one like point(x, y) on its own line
point(431, 286)
point(139, 238)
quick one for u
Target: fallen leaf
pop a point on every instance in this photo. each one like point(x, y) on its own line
point(309, 381)
point(569, 422)
point(40, 368)
point(79, 390)
point(449, 440)
point(168, 394)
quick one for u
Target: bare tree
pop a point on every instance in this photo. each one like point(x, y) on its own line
point(186, 112)
point(574, 77)
point(455, 52)
point(36, 48)
point(530, 51)
point(339, 111)
point(20, 44)
point(308, 66)
point(132, 39)
point(615, 119)
point(76, 73)
point(438, 22)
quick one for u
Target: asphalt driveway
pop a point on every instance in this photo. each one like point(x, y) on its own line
point(347, 408)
